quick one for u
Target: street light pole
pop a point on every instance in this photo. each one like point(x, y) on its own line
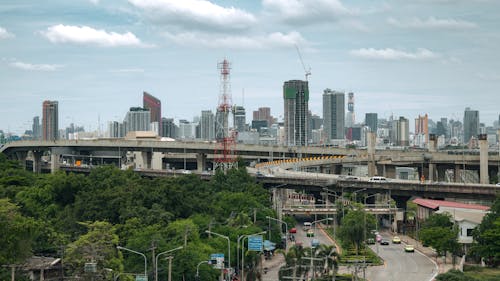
point(243, 246)
point(162, 253)
point(228, 249)
point(286, 229)
point(243, 253)
point(135, 252)
point(198, 269)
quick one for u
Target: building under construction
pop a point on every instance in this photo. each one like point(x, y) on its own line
point(296, 100)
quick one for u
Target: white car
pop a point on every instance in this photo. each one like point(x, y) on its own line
point(377, 179)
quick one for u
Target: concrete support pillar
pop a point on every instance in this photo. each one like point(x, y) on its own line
point(21, 157)
point(322, 169)
point(142, 159)
point(372, 141)
point(54, 161)
point(157, 161)
point(432, 170)
point(432, 149)
point(37, 161)
point(456, 173)
point(483, 159)
point(201, 162)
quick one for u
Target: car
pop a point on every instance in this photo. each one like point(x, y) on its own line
point(498, 184)
point(259, 174)
point(293, 230)
point(384, 242)
point(378, 238)
point(370, 241)
point(307, 226)
point(310, 233)
point(409, 248)
point(377, 179)
point(186, 172)
point(396, 240)
point(352, 178)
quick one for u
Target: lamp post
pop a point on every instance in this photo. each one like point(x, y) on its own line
point(364, 232)
point(333, 193)
point(242, 247)
point(286, 229)
point(356, 191)
point(135, 252)
point(243, 253)
point(228, 248)
point(198, 269)
point(156, 261)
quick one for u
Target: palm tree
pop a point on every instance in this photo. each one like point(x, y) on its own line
point(294, 261)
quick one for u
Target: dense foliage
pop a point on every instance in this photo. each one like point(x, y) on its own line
point(88, 216)
point(439, 232)
point(487, 236)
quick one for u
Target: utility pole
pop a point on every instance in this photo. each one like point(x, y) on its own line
point(153, 247)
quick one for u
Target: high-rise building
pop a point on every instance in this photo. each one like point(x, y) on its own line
point(36, 128)
point(137, 119)
point(263, 113)
point(371, 120)
point(187, 130)
point(154, 105)
point(350, 117)
point(239, 116)
point(50, 120)
point(116, 129)
point(422, 130)
point(333, 115)
point(401, 132)
point(168, 128)
point(471, 124)
point(207, 125)
point(296, 101)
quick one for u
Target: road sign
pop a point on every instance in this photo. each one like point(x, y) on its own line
point(255, 243)
point(217, 260)
point(141, 278)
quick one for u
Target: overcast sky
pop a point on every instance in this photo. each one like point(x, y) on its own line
point(96, 57)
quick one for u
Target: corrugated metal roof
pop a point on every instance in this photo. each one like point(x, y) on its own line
point(435, 204)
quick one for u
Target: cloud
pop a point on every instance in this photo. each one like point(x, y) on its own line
point(89, 36)
point(199, 14)
point(433, 23)
point(393, 54)
point(35, 67)
point(269, 41)
point(307, 11)
point(4, 34)
point(128, 70)
point(95, 2)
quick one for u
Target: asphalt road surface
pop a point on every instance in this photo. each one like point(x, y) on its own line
point(400, 265)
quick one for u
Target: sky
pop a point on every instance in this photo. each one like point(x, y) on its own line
point(96, 57)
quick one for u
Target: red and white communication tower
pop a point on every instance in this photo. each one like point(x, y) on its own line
point(225, 157)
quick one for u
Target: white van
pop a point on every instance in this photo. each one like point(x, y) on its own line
point(307, 226)
point(377, 179)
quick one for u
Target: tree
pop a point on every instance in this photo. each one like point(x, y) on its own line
point(454, 275)
point(17, 233)
point(487, 236)
point(440, 233)
point(353, 230)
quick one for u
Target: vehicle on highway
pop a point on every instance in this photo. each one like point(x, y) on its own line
point(370, 241)
point(307, 226)
point(310, 233)
point(384, 242)
point(409, 248)
point(377, 179)
point(396, 240)
point(187, 172)
point(378, 237)
point(293, 230)
point(352, 178)
point(498, 184)
point(315, 243)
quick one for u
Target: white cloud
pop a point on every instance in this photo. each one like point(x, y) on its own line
point(128, 70)
point(89, 36)
point(307, 11)
point(393, 54)
point(433, 23)
point(200, 14)
point(35, 67)
point(4, 34)
point(95, 2)
point(269, 41)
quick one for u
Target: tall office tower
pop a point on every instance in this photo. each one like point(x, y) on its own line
point(401, 132)
point(239, 118)
point(315, 122)
point(422, 130)
point(333, 115)
point(471, 124)
point(50, 120)
point(137, 119)
point(296, 100)
point(207, 125)
point(115, 129)
point(350, 118)
point(371, 120)
point(168, 128)
point(36, 128)
point(187, 130)
point(263, 113)
point(154, 105)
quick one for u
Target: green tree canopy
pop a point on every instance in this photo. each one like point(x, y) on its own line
point(487, 236)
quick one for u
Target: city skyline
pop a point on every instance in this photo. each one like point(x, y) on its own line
point(97, 57)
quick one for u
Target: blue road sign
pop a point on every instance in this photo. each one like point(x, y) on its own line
point(217, 260)
point(255, 243)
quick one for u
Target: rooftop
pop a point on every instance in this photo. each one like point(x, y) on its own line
point(435, 204)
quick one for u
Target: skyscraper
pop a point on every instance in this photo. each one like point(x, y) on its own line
point(168, 128)
point(350, 118)
point(333, 115)
point(471, 124)
point(50, 120)
point(401, 132)
point(239, 116)
point(207, 125)
point(296, 100)
point(422, 130)
point(137, 119)
point(371, 120)
point(154, 105)
point(264, 113)
point(36, 128)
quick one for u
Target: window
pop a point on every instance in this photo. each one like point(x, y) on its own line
point(469, 232)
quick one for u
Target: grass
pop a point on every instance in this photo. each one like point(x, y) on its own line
point(349, 255)
point(482, 273)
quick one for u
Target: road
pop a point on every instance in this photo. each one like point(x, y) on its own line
point(399, 265)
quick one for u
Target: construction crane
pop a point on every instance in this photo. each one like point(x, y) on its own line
point(307, 71)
